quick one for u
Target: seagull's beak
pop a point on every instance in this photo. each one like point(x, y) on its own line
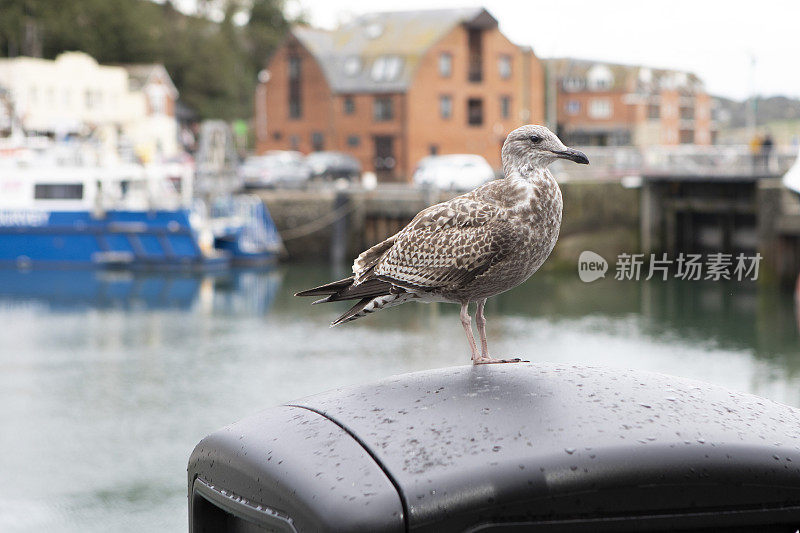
point(572, 155)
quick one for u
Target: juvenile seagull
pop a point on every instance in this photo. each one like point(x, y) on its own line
point(469, 248)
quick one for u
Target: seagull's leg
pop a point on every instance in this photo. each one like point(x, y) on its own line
point(467, 323)
point(481, 322)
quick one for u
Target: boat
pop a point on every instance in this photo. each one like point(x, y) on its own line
point(67, 205)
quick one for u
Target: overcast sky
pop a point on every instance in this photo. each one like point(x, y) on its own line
point(715, 39)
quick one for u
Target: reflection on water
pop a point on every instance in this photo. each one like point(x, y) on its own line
point(107, 380)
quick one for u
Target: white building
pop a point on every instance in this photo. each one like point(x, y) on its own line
point(74, 94)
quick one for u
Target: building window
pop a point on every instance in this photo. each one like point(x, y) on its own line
point(573, 84)
point(475, 112)
point(445, 107)
point(445, 64)
point(317, 141)
point(601, 84)
point(504, 66)
point(573, 107)
point(295, 102)
point(353, 141)
point(352, 66)
point(600, 78)
point(382, 108)
point(433, 149)
point(475, 47)
point(386, 68)
point(687, 113)
point(157, 97)
point(687, 136)
point(294, 142)
point(277, 136)
point(600, 108)
point(505, 106)
point(349, 105)
point(653, 111)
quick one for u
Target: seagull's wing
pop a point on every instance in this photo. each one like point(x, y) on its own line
point(446, 245)
point(364, 263)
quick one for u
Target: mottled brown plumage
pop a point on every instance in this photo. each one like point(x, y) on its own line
point(469, 248)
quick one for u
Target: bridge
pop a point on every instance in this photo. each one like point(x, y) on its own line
point(678, 162)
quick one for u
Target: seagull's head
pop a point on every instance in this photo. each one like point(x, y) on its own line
point(536, 146)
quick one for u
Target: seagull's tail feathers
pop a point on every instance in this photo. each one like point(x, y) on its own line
point(372, 295)
point(347, 289)
point(328, 288)
point(366, 306)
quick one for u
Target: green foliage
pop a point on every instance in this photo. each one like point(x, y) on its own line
point(213, 64)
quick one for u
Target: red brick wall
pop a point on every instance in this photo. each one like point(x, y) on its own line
point(702, 119)
point(361, 124)
point(629, 111)
point(623, 114)
point(316, 97)
point(426, 127)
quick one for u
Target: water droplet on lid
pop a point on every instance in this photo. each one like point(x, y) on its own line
point(569, 450)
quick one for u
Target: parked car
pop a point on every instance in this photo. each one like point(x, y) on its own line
point(275, 169)
point(333, 165)
point(456, 171)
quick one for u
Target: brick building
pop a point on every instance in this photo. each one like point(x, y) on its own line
point(392, 88)
point(607, 104)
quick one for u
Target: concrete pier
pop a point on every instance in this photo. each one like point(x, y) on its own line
point(692, 214)
point(599, 216)
point(733, 214)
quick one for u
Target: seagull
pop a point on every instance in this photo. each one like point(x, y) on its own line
point(469, 248)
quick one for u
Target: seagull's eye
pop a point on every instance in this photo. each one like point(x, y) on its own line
point(535, 139)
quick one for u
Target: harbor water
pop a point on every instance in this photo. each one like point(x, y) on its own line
point(109, 379)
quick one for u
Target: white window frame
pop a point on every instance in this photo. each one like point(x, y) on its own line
point(600, 108)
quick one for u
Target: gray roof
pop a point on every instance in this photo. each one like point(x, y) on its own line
point(379, 52)
point(634, 78)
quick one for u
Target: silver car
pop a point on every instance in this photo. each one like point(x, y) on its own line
point(455, 171)
point(275, 169)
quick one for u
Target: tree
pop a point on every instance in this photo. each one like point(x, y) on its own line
point(213, 64)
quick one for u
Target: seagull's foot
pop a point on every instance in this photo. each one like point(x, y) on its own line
point(486, 360)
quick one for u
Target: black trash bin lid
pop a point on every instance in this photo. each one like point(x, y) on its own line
point(545, 443)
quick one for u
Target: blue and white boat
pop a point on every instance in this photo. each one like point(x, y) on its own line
point(64, 208)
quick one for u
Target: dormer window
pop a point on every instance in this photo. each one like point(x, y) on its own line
point(386, 68)
point(352, 66)
point(573, 84)
point(600, 78)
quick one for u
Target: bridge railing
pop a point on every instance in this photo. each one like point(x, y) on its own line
point(610, 162)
